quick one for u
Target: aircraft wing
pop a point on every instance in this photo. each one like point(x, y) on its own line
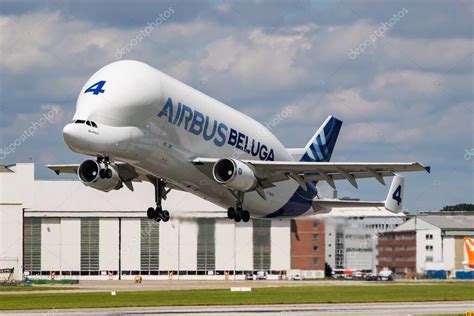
point(126, 171)
point(72, 168)
point(269, 172)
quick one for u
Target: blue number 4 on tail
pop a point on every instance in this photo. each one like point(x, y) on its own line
point(397, 195)
point(96, 88)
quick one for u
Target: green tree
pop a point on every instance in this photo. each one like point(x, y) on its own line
point(464, 207)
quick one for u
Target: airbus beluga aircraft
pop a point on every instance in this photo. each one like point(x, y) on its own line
point(140, 124)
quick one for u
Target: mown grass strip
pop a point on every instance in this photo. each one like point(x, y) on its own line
point(282, 295)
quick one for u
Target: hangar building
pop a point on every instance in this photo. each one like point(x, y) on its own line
point(64, 227)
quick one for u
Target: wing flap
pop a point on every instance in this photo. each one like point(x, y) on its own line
point(270, 172)
point(72, 168)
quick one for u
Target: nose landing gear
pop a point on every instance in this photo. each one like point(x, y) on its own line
point(158, 214)
point(104, 173)
point(238, 214)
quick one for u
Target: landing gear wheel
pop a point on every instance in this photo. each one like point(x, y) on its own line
point(108, 173)
point(238, 215)
point(158, 214)
point(245, 216)
point(231, 213)
point(165, 216)
point(102, 174)
point(150, 213)
point(237, 218)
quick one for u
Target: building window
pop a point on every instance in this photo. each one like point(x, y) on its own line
point(315, 225)
point(315, 249)
point(429, 259)
point(261, 244)
point(429, 236)
point(315, 237)
point(206, 244)
point(429, 248)
point(32, 240)
point(149, 245)
point(89, 244)
point(315, 260)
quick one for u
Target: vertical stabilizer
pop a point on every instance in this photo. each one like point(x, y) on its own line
point(321, 145)
point(469, 247)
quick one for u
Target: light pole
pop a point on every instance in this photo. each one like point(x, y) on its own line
point(179, 246)
point(235, 248)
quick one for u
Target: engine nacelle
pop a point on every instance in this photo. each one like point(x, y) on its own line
point(234, 174)
point(94, 175)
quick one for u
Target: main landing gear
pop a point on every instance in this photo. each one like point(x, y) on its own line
point(238, 213)
point(158, 214)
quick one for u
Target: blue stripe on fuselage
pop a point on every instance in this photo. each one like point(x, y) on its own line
point(299, 203)
point(301, 200)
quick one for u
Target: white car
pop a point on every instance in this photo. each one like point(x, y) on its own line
point(296, 277)
point(261, 275)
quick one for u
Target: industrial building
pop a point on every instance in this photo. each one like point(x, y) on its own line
point(307, 245)
point(351, 236)
point(64, 227)
point(426, 243)
point(347, 239)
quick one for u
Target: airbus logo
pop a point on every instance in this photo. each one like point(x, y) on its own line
point(219, 133)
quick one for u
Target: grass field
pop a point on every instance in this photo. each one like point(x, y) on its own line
point(282, 295)
point(33, 288)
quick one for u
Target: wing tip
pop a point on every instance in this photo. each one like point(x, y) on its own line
point(428, 169)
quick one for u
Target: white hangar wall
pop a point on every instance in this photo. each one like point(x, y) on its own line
point(79, 232)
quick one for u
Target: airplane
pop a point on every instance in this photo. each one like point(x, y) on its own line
point(143, 125)
point(469, 250)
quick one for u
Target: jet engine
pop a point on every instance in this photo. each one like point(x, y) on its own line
point(99, 176)
point(234, 174)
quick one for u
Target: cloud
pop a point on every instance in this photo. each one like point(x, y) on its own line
point(407, 97)
point(262, 58)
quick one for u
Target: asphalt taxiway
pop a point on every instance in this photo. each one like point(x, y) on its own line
point(431, 308)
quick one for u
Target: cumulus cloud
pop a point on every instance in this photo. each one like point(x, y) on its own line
point(408, 95)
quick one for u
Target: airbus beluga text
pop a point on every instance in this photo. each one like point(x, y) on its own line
point(140, 124)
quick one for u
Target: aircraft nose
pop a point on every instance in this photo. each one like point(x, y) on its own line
point(72, 135)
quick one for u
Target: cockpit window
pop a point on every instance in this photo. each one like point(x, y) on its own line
point(89, 123)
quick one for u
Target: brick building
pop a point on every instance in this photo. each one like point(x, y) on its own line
point(307, 244)
point(397, 252)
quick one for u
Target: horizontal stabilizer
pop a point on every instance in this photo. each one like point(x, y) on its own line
point(326, 205)
point(393, 203)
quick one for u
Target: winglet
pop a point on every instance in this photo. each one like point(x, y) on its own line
point(428, 169)
point(393, 203)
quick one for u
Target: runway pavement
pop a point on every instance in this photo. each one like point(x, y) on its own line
point(432, 308)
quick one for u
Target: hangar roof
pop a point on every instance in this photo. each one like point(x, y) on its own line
point(450, 221)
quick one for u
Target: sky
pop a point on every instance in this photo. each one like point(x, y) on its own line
point(399, 74)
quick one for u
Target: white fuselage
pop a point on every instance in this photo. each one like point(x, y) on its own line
point(158, 125)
